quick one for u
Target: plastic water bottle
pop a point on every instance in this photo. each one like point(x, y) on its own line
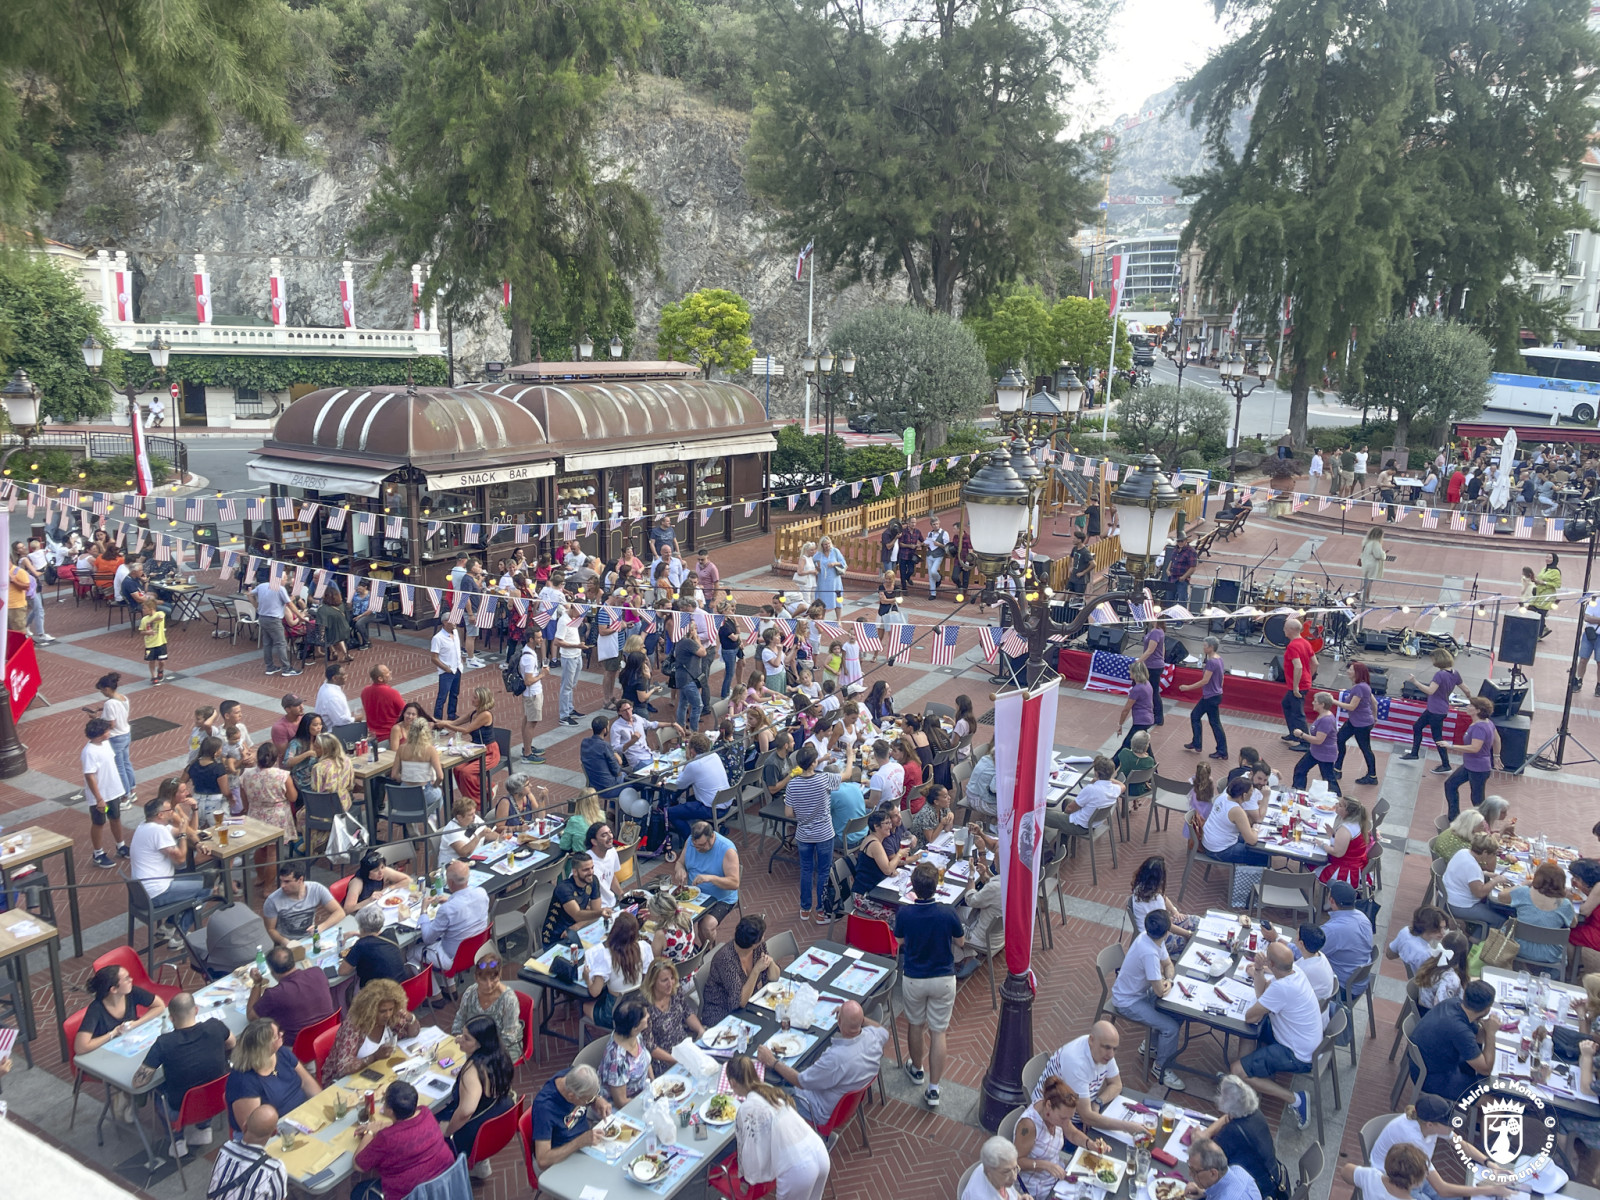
point(742, 1046)
point(261, 961)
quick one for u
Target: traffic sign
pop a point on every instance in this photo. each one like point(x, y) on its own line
point(174, 390)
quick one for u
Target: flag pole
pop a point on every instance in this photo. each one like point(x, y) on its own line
point(811, 305)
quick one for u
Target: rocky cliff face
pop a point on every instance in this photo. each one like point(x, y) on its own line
point(243, 206)
point(1154, 147)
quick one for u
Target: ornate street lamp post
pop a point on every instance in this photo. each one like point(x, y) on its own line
point(830, 384)
point(1234, 373)
point(1146, 504)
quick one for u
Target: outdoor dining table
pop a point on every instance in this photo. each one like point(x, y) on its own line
point(238, 838)
point(1215, 994)
point(21, 932)
point(115, 1062)
point(1312, 820)
point(369, 768)
point(956, 873)
point(184, 597)
point(1185, 1125)
point(31, 844)
point(1560, 1089)
point(838, 973)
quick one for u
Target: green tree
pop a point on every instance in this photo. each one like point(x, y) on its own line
point(712, 45)
point(710, 328)
point(935, 144)
point(1396, 151)
point(1426, 370)
point(1165, 421)
point(1082, 330)
point(1015, 328)
point(189, 63)
point(908, 360)
point(45, 318)
point(491, 176)
point(797, 461)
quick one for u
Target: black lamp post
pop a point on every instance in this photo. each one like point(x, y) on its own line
point(1583, 528)
point(830, 384)
point(160, 354)
point(1178, 352)
point(1233, 374)
point(21, 399)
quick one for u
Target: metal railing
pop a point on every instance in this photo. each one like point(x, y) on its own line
point(104, 445)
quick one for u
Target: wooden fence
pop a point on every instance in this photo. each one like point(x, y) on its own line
point(848, 523)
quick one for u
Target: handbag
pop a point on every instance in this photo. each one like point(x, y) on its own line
point(346, 837)
point(1500, 948)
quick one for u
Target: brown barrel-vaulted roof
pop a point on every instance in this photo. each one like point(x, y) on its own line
point(428, 428)
point(595, 414)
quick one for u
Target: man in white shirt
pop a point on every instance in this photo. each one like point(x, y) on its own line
point(1088, 1065)
point(160, 846)
point(569, 645)
point(1361, 470)
point(1311, 962)
point(702, 776)
point(271, 603)
point(628, 736)
point(1146, 976)
point(1293, 1029)
point(102, 788)
point(445, 649)
point(1100, 792)
point(888, 777)
point(850, 1062)
point(532, 698)
point(823, 737)
point(332, 705)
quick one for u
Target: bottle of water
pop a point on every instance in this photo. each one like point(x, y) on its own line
point(261, 961)
point(742, 1046)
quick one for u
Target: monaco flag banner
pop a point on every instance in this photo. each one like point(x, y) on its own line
point(1114, 295)
point(202, 297)
point(347, 303)
point(1024, 725)
point(124, 296)
point(277, 303)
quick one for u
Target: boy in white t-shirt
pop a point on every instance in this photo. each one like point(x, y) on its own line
point(103, 790)
point(533, 674)
point(1101, 792)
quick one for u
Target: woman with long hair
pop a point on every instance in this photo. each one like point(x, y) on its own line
point(417, 764)
point(477, 725)
point(1363, 716)
point(615, 967)
point(775, 1142)
point(671, 1018)
point(874, 864)
point(673, 939)
point(1202, 792)
point(1352, 842)
point(483, 1089)
point(372, 875)
point(1148, 894)
point(332, 772)
point(333, 626)
point(879, 705)
point(301, 754)
point(269, 795)
point(1370, 559)
point(587, 810)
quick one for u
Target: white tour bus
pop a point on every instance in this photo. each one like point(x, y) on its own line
point(1559, 383)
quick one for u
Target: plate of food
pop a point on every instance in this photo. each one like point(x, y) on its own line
point(775, 993)
point(1099, 1169)
point(392, 901)
point(648, 1168)
point(686, 895)
point(616, 1129)
point(724, 1037)
point(786, 1045)
point(672, 1087)
point(721, 1109)
point(1167, 1189)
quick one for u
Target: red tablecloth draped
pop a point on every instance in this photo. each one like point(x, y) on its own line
point(1265, 698)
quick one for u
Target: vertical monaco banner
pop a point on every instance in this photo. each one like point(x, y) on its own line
point(202, 291)
point(347, 295)
point(278, 296)
point(1024, 724)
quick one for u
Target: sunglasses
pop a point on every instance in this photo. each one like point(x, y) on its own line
point(487, 964)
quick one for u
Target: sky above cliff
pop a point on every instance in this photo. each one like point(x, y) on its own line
point(1153, 44)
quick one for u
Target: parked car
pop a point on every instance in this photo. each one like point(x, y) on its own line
point(873, 422)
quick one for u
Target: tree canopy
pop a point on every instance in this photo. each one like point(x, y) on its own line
point(1427, 370)
point(184, 63)
point(1165, 421)
point(44, 319)
point(932, 144)
point(491, 176)
point(1017, 327)
point(910, 360)
point(710, 328)
point(1398, 152)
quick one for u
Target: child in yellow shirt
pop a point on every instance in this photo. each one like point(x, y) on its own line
point(153, 624)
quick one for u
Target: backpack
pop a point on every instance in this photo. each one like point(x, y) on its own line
point(511, 675)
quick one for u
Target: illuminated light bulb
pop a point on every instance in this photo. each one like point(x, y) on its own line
point(1405, 608)
point(334, 561)
point(961, 598)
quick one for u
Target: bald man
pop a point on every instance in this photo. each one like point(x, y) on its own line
point(1299, 668)
point(1088, 1065)
point(849, 1063)
point(464, 913)
point(1291, 1027)
point(244, 1170)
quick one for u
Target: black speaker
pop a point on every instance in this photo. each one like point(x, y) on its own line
point(1507, 699)
point(1106, 637)
point(1176, 652)
point(1378, 681)
point(1513, 741)
point(1375, 640)
point(1412, 691)
point(1225, 593)
point(1519, 639)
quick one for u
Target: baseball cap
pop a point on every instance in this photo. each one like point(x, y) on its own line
point(290, 700)
point(1433, 1108)
point(1343, 894)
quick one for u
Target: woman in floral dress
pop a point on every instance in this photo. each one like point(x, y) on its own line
point(269, 795)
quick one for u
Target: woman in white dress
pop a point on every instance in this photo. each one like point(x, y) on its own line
point(775, 1142)
point(805, 575)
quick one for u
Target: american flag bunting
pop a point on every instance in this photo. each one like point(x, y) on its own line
point(867, 637)
point(986, 640)
point(942, 646)
point(1553, 529)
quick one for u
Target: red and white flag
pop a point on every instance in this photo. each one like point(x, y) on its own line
point(800, 262)
point(278, 302)
point(1025, 724)
point(347, 303)
point(143, 481)
point(202, 297)
point(505, 293)
point(124, 288)
point(1114, 296)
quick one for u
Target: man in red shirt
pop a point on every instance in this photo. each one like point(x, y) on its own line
point(284, 727)
point(1299, 667)
point(381, 704)
point(1452, 489)
point(403, 1146)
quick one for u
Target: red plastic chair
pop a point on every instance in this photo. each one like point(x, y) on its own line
point(734, 1186)
point(70, 1028)
point(305, 1042)
point(849, 1106)
point(127, 957)
point(871, 936)
point(495, 1134)
point(525, 1010)
point(320, 1049)
point(525, 1132)
point(339, 888)
point(465, 953)
point(201, 1104)
point(418, 988)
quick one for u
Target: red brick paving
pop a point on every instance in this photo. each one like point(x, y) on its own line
point(915, 1154)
